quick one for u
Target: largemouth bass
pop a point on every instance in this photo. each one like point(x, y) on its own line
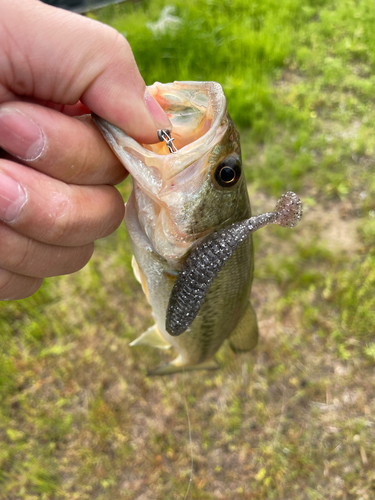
point(178, 201)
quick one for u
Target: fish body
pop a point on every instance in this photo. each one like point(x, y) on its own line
point(178, 201)
point(203, 265)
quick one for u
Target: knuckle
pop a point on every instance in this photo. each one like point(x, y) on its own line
point(88, 214)
point(115, 213)
point(17, 252)
point(119, 42)
point(84, 255)
point(59, 219)
point(15, 286)
point(77, 258)
point(22, 256)
point(121, 51)
point(86, 169)
point(6, 279)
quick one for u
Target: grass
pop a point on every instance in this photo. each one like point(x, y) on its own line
point(294, 420)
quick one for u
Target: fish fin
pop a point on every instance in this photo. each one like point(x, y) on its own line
point(245, 336)
point(151, 337)
point(176, 366)
point(136, 270)
point(139, 276)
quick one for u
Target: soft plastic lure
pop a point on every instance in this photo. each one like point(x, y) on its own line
point(206, 261)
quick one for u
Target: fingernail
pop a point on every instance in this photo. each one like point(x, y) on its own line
point(156, 111)
point(12, 198)
point(19, 135)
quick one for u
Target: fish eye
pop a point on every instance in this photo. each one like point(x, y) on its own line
point(228, 172)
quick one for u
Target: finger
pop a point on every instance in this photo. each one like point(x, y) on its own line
point(68, 109)
point(14, 286)
point(53, 212)
point(83, 60)
point(28, 257)
point(66, 148)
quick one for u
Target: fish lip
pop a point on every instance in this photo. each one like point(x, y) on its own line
point(105, 126)
point(196, 148)
point(154, 173)
point(213, 89)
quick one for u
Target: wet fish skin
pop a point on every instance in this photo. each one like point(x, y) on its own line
point(175, 204)
point(207, 260)
point(226, 303)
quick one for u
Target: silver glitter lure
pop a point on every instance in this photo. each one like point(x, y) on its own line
point(205, 262)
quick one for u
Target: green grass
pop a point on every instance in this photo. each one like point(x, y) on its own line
point(294, 419)
point(240, 44)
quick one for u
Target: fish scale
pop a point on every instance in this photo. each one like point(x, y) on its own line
point(179, 199)
point(200, 268)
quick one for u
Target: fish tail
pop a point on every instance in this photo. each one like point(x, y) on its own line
point(153, 338)
point(176, 366)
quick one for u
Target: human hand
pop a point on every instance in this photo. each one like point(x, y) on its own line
point(56, 172)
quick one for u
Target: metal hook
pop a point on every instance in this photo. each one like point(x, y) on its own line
point(165, 135)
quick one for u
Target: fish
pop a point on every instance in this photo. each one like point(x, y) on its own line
point(205, 262)
point(181, 202)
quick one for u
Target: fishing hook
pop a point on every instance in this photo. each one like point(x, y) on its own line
point(165, 135)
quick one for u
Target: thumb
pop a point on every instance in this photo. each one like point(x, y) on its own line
point(59, 56)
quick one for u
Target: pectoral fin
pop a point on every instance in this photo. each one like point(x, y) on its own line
point(140, 278)
point(151, 337)
point(245, 336)
point(176, 366)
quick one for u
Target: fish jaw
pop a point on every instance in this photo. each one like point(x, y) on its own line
point(173, 191)
point(175, 203)
point(194, 132)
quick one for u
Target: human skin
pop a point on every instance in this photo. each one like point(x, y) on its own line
point(57, 174)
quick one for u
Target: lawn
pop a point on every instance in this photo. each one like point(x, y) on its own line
point(294, 419)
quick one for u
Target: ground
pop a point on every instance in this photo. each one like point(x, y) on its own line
point(294, 419)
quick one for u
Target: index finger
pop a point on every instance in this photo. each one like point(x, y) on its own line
point(83, 60)
point(65, 148)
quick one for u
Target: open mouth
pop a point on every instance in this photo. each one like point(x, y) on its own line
point(173, 191)
point(196, 111)
point(191, 108)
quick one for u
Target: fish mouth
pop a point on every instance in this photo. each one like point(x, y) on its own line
point(193, 109)
point(164, 181)
point(196, 111)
